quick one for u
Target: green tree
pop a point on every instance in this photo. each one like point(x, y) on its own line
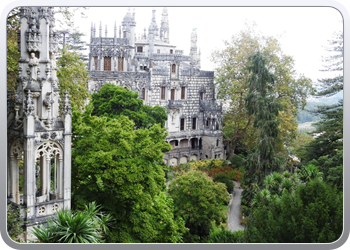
point(198, 200)
point(114, 101)
point(311, 214)
point(13, 54)
point(71, 40)
point(118, 167)
point(263, 106)
point(231, 82)
point(73, 77)
point(333, 63)
point(331, 115)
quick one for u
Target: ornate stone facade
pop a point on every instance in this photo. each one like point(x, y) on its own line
point(38, 127)
point(163, 76)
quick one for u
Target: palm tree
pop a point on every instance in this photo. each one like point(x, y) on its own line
point(309, 172)
point(88, 226)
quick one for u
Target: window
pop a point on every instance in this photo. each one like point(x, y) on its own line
point(158, 51)
point(143, 94)
point(107, 63)
point(217, 126)
point(182, 124)
point(124, 34)
point(207, 123)
point(120, 63)
point(162, 93)
point(217, 142)
point(95, 62)
point(173, 68)
point(194, 122)
point(139, 49)
point(172, 94)
point(176, 143)
point(201, 95)
point(183, 92)
point(171, 51)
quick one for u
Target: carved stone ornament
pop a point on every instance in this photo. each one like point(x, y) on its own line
point(29, 104)
point(65, 104)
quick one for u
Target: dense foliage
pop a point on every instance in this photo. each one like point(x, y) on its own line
point(114, 101)
point(118, 166)
point(313, 213)
point(198, 200)
point(326, 150)
point(220, 170)
point(73, 77)
point(14, 223)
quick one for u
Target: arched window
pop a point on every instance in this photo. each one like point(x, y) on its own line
point(107, 63)
point(16, 156)
point(143, 94)
point(49, 165)
point(217, 142)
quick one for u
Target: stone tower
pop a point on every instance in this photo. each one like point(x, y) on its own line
point(38, 124)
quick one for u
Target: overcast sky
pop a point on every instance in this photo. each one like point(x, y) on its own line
point(302, 31)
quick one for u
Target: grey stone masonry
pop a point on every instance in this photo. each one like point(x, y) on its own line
point(164, 76)
point(38, 124)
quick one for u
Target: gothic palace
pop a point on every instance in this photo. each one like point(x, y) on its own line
point(162, 75)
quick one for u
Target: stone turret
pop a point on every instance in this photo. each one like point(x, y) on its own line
point(39, 126)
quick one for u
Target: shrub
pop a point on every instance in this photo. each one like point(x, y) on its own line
point(226, 180)
point(225, 236)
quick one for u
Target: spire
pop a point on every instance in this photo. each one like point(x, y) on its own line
point(164, 27)
point(106, 31)
point(153, 28)
point(115, 29)
point(100, 29)
point(92, 30)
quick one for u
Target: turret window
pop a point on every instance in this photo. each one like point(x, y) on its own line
point(162, 93)
point(183, 89)
point(182, 124)
point(95, 62)
point(143, 94)
point(107, 63)
point(172, 94)
point(194, 123)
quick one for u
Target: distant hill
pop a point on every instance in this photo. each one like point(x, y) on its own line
point(306, 117)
